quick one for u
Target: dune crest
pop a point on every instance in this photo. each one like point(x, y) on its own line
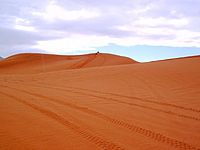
point(37, 63)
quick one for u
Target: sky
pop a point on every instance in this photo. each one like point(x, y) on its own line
point(145, 30)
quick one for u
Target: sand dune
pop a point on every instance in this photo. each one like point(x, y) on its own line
point(37, 63)
point(102, 101)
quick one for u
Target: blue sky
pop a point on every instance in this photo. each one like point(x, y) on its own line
point(144, 30)
point(144, 53)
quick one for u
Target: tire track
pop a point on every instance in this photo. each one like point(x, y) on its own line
point(142, 106)
point(140, 99)
point(128, 103)
point(98, 141)
point(133, 128)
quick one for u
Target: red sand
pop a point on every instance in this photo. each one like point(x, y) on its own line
point(103, 101)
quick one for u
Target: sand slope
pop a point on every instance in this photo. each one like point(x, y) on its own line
point(136, 106)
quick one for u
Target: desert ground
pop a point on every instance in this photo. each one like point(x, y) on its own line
point(99, 102)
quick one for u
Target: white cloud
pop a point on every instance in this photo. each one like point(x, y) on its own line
point(25, 28)
point(23, 24)
point(161, 21)
point(73, 43)
point(54, 12)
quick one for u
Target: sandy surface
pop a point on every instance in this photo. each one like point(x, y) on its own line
point(99, 101)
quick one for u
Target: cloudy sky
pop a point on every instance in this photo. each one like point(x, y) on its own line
point(143, 29)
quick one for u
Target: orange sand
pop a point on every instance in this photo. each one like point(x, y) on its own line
point(99, 101)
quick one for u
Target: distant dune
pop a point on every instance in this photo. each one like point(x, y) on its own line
point(99, 102)
point(37, 63)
